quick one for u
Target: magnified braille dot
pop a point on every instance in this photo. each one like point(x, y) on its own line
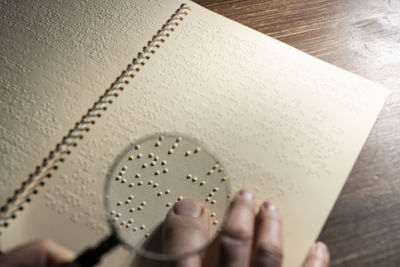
point(157, 172)
point(202, 183)
point(123, 181)
point(180, 198)
point(210, 172)
point(168, 204)
point(159, 194)
point(131, 221)
point(164, 162)
point(165, 170)
point(127, 226)
point(170, 151)
point(156, 158)
point(119, 203)
point(157, 144)
point(137, 175)
point(189, 176)
point(153, 163)
point(167, 191)
point(137, 147)
point(130, 157)
point(187, 154)
point(211, 194)
point(151, 155)
point(118, 215)
point(121, 173)
point(124, 168)
point(174, 145)
point(215, 222)
point(178, 139)
point(220, 169)
point(194, 179)
point(131, 185)
point(142, 227)
point(118, 178)
point(140, 208)
point(143, 203)
point(197, 150)
point(131, 197)
point(140, 183)
point(208, 199)
point(134, 229)
point(213, 214)
point(127, 202)
point(155, 185)
point(216, 189)
point(131, 209)
point(213, 201)
point(112, 212)
point(144, 165)
point(147, 235)
point(139, 156)
point(161, 138)
point(150, 182)
point(223, 179)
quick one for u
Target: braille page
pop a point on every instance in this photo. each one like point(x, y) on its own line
point(283, 123)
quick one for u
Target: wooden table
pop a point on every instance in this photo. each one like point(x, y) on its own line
point(362, 36)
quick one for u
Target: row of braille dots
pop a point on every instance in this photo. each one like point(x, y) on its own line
point(174, 145)
point(127, 224)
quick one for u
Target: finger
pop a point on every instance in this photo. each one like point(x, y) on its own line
point(318, 256)
point(43, 252)
point(237, 235)
point(186, 230)
point(267, 249)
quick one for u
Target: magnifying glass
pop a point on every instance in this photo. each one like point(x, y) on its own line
point(146, 181)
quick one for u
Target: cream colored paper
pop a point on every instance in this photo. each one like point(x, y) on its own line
point(284, 124)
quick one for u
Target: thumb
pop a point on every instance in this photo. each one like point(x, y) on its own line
point(185, 230)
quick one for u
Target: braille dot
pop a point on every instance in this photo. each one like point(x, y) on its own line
point(137, 175)
point(127, 202)
point(121, 173)
point(213, 215)
point(150, 182)
point(118, 215)
point(155, 185)
point(157, 172)
point(115, 220)
point(118, 178)
point(168, 204)
point(215, 167)
point(187, 154)
point(211, 194)
point(194, 179)
point(178, 139)
point(157, 144)
point(139, 156)
point(170, 151)
point(147, 235)
point(119, 203)
point(216, 189)
point(167, 191)
point(165, 170)
point(174, 145)
point(202, 183)
point(124, 168)
point(134, 229)
point(208, 199)
point(140, 208)
point(159, 194)
point(131, 221)
point(223, 179)
point(143, 203)
point(140, 183)
point(153, 163)
point(210, 172)
point(142, 227)
point(189, 176)
point(123, 181)
point(161, 138)
point(131, 197)
point(112, 212)
point(197, 150)
point(164, 162)
point(180, 198)
point(131, 209)
point(127, 226)
point(213, 201)
point(215, 222)
point(144, 165)
point(151, 155)
point(130, 157)
point(137, 147)
point(220, 169)
point(131, 185)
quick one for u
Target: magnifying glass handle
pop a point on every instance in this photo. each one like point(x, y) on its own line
point(92, 256)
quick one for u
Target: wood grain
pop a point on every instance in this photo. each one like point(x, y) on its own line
point(362, 36)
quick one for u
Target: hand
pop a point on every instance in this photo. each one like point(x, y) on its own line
point(41, 253)
point(248, 239)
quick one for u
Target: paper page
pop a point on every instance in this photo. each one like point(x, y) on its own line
point(283, 123)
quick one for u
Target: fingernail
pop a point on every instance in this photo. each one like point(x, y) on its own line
point(247, 195)
point(320, 249)
point(188, 208)
point(270, 206)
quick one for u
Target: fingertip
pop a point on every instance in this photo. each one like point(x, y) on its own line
point(318, 256)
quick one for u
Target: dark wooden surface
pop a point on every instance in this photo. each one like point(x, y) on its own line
point(362, 36)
